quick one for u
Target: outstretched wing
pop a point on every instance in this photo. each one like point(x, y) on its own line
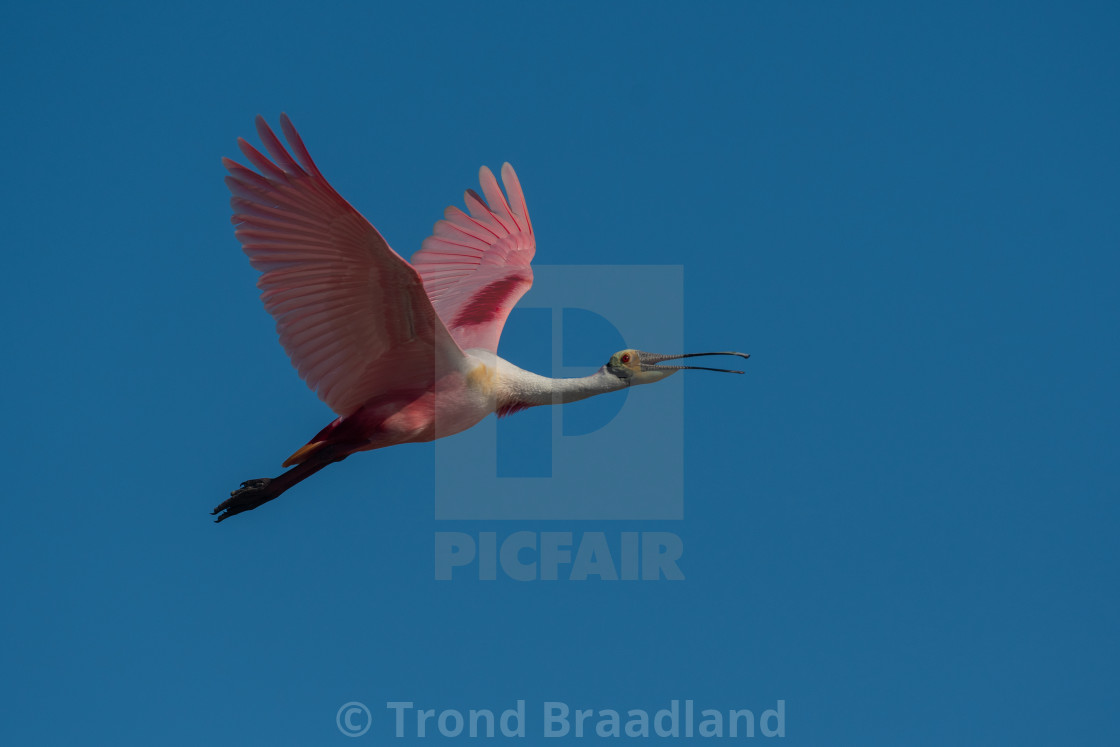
point(351, 313)
point(475, 266)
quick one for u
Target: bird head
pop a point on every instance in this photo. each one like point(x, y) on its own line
point(638, 367)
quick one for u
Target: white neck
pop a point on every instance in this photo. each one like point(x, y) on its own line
point(526, 389)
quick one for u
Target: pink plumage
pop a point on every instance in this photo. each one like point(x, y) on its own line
point(476, 266)
point(402, 352)
point(352, 315)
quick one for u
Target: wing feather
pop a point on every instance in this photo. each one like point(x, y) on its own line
point(476, 265)
point(352, 315)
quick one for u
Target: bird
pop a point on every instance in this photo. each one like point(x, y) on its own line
point(402, 352)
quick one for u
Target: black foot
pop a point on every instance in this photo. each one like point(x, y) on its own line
point(251, 494)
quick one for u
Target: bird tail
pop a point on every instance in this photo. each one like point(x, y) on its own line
point(304, 453)
point(338, 436)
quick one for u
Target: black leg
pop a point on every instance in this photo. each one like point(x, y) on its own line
point(253, 493)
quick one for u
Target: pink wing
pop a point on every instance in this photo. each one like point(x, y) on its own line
point(351, 313)
point(476, 267)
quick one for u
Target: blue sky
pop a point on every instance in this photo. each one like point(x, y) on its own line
point(901, 522)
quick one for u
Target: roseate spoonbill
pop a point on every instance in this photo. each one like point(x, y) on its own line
point(401, 352)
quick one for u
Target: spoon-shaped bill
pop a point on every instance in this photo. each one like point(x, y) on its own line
point(650, 360)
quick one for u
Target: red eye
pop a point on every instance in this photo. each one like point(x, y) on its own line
point(625, 357)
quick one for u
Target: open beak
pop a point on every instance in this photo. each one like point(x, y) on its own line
point(649, 362)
